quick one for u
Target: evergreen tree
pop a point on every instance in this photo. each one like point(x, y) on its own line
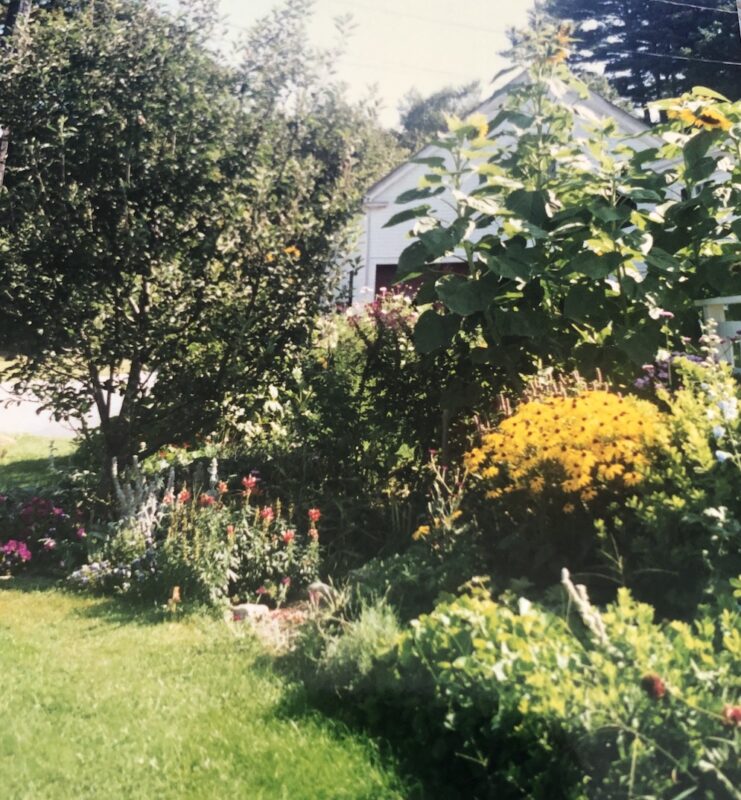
point(657, 48)
point(423, 117)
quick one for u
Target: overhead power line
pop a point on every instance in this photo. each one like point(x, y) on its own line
point(419, 17)
point(676, 58)
point(693, 5)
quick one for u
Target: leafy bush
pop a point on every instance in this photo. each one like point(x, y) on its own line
point(508, 700)
point(349, 656)
point(681, 534)
point(366, 399)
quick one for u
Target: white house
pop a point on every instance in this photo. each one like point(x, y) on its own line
point(381, 247)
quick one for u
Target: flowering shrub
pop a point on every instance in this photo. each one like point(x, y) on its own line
point(38, 533)
point(517, 702)
point(209, 545)
point(572, 449)
point(549, 471)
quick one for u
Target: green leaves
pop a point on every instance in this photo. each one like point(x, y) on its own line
point(419, 194)
point(412, 261)
point(461, 295)
point(434, 331)
point(409, 214)
point(529, 205)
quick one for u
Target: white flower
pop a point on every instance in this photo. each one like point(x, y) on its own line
point(719, 431)
point(729, 409)
point(722, 455)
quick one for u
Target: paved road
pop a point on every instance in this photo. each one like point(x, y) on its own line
point(24, 417)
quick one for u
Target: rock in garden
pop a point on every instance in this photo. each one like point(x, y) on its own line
point(249, 611)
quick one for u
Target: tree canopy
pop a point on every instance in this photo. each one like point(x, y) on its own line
point(653, 48)
point(168, 223)
point(422, 118)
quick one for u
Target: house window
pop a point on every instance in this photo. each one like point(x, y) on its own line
point(385, 274)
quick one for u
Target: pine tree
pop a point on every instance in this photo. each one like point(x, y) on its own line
point(657, 48)
point(423, 117)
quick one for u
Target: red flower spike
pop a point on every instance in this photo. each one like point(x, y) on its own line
point(654, 686)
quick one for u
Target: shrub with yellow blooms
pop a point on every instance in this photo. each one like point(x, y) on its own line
point(555, 471)
point(572, 449)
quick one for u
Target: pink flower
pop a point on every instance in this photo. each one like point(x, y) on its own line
point(168, 499)
point(314, 534)
point(20, 549)
point(230, 531)
point(315, 514)
point(285, 581)
point(206, 500)
point(249, 483)
point(267, 514)
point(262, 590)
point(732, 715)
point(288, 536)
point(49, 543)
point(184, 496)
point(81, 533)
point(222, 487)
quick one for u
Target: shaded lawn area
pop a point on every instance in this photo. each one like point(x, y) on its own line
point(24, 460)
point(98, 702)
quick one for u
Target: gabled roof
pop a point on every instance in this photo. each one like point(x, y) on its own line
point(594, 107)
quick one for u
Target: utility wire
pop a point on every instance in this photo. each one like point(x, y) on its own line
point(693, 5)
point(678, 58)
point(433, 20)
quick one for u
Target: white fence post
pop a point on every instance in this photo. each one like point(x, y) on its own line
point(729, 330)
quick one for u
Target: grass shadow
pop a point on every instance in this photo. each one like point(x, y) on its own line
point(31, 473)
point(118, 613)
point(27, 584)
point(113, 610)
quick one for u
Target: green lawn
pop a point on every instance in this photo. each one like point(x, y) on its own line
point(99, 703)
point(24, 459)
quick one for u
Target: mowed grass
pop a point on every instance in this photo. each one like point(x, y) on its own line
point(24, 459)
point(97, 702)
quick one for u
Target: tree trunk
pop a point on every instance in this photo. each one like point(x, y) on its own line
point(17, 10)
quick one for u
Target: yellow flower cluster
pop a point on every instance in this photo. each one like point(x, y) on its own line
point(704, 117)
point(577, 446)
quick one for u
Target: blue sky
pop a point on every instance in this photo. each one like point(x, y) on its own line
point(400, 44)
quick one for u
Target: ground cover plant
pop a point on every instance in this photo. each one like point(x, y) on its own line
point(103, 702)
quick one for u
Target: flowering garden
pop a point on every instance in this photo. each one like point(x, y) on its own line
point(487, 528)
